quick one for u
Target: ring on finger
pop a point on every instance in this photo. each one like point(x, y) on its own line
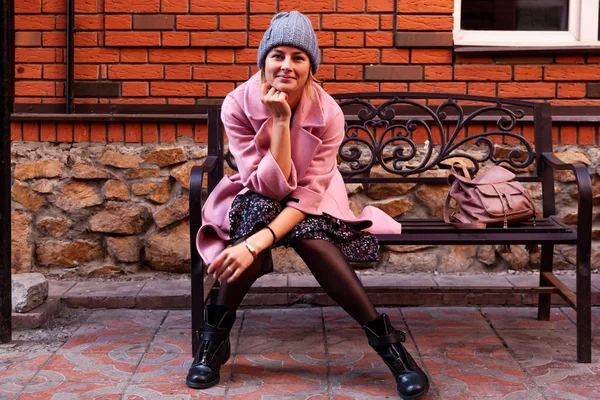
point(229, 268)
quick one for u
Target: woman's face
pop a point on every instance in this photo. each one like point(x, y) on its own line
point(287, 69)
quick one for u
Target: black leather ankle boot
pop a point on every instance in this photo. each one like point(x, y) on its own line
point(411, 381)
point(214, 349)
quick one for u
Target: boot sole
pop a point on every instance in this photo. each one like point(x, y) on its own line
point(194, 385)
point(207, 385)
point(415, 396)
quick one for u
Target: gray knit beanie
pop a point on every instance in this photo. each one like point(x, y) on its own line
point(290, 29)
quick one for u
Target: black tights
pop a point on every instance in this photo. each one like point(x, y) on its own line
point(329, 267)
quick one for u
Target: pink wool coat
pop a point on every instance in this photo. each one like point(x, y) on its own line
point(315, 185)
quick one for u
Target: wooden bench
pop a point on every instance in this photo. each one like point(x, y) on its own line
point(390, 130)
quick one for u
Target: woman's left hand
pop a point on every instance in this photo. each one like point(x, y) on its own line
point(231, 263)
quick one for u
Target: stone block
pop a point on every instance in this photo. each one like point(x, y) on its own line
point(29, 291)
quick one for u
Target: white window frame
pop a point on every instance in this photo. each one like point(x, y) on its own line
point(583, 30)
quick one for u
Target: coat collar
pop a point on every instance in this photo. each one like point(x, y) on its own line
point(308, 114)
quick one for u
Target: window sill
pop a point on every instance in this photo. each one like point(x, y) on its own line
point(524, 51)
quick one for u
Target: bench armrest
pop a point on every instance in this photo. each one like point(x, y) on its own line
point(584, 187)
point(195, 200)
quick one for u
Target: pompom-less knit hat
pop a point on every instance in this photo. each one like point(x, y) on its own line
point(290, 29)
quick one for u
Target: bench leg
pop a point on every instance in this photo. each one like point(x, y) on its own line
point(545, 300)
point(584, 301)
point(197, 303)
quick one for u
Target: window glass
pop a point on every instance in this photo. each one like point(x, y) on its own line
point(515, 15)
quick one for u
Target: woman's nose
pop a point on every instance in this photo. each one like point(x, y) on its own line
point(286, 63)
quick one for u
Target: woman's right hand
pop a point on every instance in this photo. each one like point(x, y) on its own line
point(276, 102)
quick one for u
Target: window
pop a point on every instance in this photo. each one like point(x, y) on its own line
point(527, 22)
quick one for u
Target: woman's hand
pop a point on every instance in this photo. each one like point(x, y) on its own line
point(276, 102)
point(231, 263)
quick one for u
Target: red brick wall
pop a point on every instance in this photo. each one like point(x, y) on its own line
point(179, 51)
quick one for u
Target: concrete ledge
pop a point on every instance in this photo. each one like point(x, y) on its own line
point(103, 294)
point(36, 317)
point(170, 294)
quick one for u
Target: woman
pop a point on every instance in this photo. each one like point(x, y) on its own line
point(284, 132)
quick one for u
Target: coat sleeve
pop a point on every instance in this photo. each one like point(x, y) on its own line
point(311, 188)
point(258, 170)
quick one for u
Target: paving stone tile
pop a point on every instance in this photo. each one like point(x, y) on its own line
point(179, 341)
point(354, 341)
point(162, 293)
point(272, 280)
point(543, 352)
point(57, 288)
point(472, 280)
point(356, 370)
point(182, 320)
point(283, 368)
point(249, 387)
point(406, 299)
point(476, 392)
point(103, 294)
point(569, 281)
point(166, 390)
point(572, 315)
point(444, 317)
point(295, 318)
point(526, 318)
point(47, 385)
point(455, 341)
point(421, 280)
point(17, 370)
point(365, 378)
point(178, 319)
point(268, 299)
point(336, 318)
point(498, 380)
point(571, 392)
point(521, 280)
point(294, 341)
point(170, 368)
point(302, 281)
point(114, 366)
point(125, 331)
point(175, 341)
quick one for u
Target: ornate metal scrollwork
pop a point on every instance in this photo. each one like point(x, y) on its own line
point(384, 136)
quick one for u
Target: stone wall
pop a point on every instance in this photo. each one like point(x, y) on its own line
point(95, 209)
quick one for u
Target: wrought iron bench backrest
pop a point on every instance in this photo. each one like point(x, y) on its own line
point(409, 135)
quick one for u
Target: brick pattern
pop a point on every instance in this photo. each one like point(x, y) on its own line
point(111, 132)
point(176, 52)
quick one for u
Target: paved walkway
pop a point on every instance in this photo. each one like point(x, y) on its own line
point(300, 353)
